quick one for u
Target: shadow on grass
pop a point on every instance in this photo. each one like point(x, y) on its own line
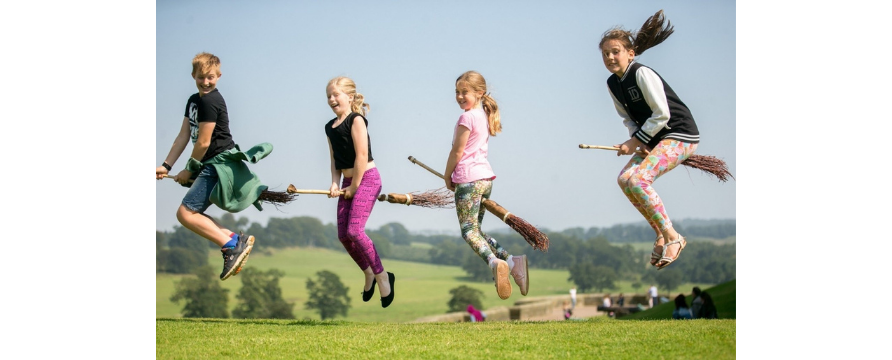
point(280, 322)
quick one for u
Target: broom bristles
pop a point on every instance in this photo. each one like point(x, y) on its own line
point(440, 198)
point(709, 164)
point(276, 197)
point(537, 239)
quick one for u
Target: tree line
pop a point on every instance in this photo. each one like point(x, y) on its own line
point(595, 257)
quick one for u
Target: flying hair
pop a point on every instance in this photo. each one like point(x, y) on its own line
point(654, 31)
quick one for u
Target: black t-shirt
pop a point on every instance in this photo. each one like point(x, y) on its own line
point(210, 108)
point(342, 147)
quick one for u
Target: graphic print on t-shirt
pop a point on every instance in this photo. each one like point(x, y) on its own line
point(193, 121)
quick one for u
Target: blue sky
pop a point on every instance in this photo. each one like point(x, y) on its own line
point(541, 63)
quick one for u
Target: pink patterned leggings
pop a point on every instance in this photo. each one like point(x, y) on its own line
point(637, 176)
point(352, 216)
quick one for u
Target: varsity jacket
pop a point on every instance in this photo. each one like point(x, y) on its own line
point(650, 108)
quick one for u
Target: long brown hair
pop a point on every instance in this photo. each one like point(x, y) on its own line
point(654, 31)
point(477, 83)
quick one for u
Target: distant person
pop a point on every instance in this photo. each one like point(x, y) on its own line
point(470, 175)
point(708, 310)
point(682, 311)
point(606, 301)
point(350, 155)
point(662, 131)
point(573, 297)
point(696, 303)
point(476, 315)
point(621, 300)
point(652, 296)
point(215, 159)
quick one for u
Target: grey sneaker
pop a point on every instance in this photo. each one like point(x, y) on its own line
point(500, 275)
point(519, 273)
point(235, 258)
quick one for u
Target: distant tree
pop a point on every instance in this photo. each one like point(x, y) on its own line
point(204, 296)
point(669, 279)
point(227, 220)
point(179, 260)
point(160, 240)
point(449, 252)
point(462, 296)
point(261, 297)
point(381, 243)
point(589, 276)
point(636, 285)
point(327, 295)
point(476, 268)
point(396, 233)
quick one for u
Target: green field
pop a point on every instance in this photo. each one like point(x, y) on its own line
point(421, 289)
point(598, 338)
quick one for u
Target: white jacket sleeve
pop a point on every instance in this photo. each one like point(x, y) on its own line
point(652, 87)
point(621, 110)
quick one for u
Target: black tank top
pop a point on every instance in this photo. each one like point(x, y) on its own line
point(342, 146)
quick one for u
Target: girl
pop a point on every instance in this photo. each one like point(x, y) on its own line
point(469, 174)
point(350, 149)
point(661, 129)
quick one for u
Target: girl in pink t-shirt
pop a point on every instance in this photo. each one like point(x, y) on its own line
point(469, 174)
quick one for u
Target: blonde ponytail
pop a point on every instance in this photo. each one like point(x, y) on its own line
point(492, 114)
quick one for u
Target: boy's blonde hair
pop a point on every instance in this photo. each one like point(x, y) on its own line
point(204, 63)
point(476, 82)
point(347, 86)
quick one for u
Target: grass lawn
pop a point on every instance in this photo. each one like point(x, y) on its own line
point(597, 338)
point(421, 289)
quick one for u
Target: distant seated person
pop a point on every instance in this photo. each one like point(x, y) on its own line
point(620, 300)
point(682, 311)
point(606, 302)
point(708, 310)
point(476, 315)
point(568, 313)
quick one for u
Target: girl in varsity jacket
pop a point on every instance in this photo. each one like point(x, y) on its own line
point(662, 131)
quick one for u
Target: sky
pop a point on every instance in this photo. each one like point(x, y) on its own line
point(541, 63)
point(84, 82)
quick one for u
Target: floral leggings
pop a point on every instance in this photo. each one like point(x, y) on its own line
point(637, 176)
point(469, 207)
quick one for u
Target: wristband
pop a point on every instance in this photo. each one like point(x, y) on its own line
point(193, 165)
point(166, 165)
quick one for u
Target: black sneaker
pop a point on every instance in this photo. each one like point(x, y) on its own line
point(235, 258)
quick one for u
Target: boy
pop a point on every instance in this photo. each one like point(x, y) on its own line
point(206, 123)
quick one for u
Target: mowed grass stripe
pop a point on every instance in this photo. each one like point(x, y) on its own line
point(599, 338)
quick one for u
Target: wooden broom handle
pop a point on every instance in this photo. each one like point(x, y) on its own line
point(584, 146)
point(490, 205)
point(416, 162)
point(294, 190)
point(169, 176)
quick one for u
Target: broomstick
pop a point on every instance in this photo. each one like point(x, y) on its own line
point(537, 239)
point(440, 198)
point(275, 198)
point(707, 163)
point(294, 190)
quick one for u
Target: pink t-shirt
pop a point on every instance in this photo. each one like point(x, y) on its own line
point(473, 164)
